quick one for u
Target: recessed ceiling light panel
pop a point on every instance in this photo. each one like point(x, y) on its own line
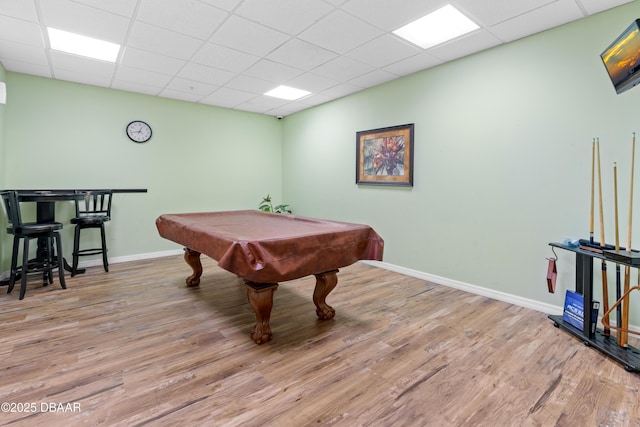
point(439, 26)
point(76, 44)
point(286, 92)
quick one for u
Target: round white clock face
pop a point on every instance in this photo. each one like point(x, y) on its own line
point(138, 131)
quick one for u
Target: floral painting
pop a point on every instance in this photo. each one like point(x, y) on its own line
point(385, 156)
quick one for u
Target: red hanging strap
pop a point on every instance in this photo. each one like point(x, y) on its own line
point(552, 273)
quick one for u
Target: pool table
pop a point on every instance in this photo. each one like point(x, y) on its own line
point(266, 248)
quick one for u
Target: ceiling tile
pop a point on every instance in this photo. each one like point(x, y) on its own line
point(266, 102)
point(136, 75)
point(26, 68)
point(288, 16)
point(20, 52)
point(312, 82)
point(373, 78)
point(191, 87)
point(538, 20)
point(246, 36)
point(283, 111)
point(82, 70)
point(202, 73)
point(492, 12)
point(84, 78)
point(23, 9)
point(272, 71)
point(465, 45)
point(413, 64)
point(120, 7)
point(383, 51)
point(341, 90)
point(391, 15)
point(343, 69)
point(595, 6)
point(250, 84)
point(176, 94)
point(145, 60)
point(159, 40)
point(310, 101)
point(226, 97)
point(189, 17)
point(20, 31)
point(225, 52)
point(299, 54)
point(70, 16)
point(135, 87)
point(75, 63)
point(227, 5)
point(336, 2)
point(340, 32)
point(253, 108)
point(222, 57)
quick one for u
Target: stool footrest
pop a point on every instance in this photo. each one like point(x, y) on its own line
point(83, 252)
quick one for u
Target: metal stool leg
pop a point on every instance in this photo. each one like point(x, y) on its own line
point(14, 263)
point(76, 249)
point(105, 262)
point(25, 262)
point(60, 260)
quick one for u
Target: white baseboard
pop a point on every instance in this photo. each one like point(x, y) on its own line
point(4, 275)
point(129, 258)
point(489, 293)
point(478, 290)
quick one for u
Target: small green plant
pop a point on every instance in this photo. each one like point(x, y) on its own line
point(267, 206)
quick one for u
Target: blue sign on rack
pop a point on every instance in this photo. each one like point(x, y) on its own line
point(573, 313)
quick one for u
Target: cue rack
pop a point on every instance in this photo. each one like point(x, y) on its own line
point(586, 251)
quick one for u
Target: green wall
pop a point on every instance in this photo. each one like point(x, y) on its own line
point(3, 221)
point(502, 158)
point(2, 130)
point(200, 158)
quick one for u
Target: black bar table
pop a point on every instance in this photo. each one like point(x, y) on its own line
point(45, 209)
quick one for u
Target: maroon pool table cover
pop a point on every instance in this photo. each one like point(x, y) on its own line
point(269, 248)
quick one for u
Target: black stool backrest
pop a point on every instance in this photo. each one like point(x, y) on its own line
point(94, 203)
point(11, 206)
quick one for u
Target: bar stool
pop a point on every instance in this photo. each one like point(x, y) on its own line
point(92, 211)
point(29, 231)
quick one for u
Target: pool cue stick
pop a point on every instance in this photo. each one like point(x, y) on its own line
point(605, 285)
point(627, 269)
point(593, 174)
point(618, 291)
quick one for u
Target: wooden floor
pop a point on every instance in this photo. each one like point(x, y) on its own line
point(136, 347)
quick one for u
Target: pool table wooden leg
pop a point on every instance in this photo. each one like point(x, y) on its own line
point(325, 282)
point(260, 297)
point(193, 259)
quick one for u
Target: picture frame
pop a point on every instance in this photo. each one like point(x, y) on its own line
point(384, 156)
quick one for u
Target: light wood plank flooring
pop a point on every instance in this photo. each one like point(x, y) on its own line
point(136, 347)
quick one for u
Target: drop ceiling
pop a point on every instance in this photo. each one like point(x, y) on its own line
point(228, 53)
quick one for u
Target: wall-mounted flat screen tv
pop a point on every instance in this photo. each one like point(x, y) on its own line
point(622, 58)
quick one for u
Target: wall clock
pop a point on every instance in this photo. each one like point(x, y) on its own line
point(138, 131)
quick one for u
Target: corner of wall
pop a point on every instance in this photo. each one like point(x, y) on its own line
point(3, 78)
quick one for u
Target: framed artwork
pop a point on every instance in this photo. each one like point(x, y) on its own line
point(385, 156)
